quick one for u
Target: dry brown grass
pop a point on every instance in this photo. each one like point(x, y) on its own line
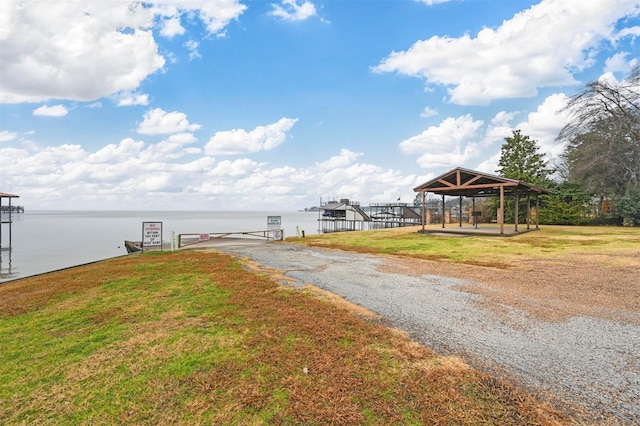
point(554, 274)
point(303, 356)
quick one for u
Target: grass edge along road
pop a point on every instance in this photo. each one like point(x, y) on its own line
point(195, 338)
point(618, 244)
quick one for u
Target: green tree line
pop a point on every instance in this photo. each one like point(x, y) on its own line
point(600, 166)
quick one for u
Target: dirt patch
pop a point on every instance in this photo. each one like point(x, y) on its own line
point(548, 289)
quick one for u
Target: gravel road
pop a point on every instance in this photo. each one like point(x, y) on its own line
point(584, 365)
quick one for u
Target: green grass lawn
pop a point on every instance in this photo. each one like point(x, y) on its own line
point(195, 338)
point(549, 242)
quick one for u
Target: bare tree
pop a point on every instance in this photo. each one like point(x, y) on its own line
point(603, 136)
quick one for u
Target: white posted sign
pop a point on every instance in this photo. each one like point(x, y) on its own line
point(151, 234)
point(274, 225)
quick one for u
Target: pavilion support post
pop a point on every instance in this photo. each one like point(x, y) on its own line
point(501, 211)
point(443, 212)
point(424, 209)
point(528, 211)
point(473, 212)
point(460, 211)
point(516, 212)
point(537, 211)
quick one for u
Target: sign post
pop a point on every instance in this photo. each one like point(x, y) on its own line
point(151, 235)
point(274, 226)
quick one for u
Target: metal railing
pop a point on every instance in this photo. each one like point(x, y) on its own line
point(188, 239)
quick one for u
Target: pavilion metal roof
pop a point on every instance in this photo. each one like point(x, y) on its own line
point(5, 195)
point(471, 183)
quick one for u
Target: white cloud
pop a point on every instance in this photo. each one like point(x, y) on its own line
point(7, 136)
point(87, 51)
point(452, 142)
point(545, 124)
point(51, 111)
point(114, 37)
point(240, 167)
point(192, 47)
point(619, 63)
point(175, 146)
point(129, 98)
point(345, 158)
point(157, 122)
point(428, 112)
point(114, 153)
point(293, 10)
point(141, 174)
point(171, 27)
point(239, 141)
point(531, 50)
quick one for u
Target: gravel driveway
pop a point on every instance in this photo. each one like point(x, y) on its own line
point(584, 364)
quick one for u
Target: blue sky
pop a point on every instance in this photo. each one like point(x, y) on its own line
point(273, 105)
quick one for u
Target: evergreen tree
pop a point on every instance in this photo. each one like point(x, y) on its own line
point(568, 204)
point(520, 159)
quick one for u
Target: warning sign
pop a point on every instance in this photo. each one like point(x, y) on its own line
point(151, 234)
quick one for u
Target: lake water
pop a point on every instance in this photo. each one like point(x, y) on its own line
point(44, 241)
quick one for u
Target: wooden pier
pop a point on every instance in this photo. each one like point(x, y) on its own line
point(7, 221)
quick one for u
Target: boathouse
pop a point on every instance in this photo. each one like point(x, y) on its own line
point(461, 182)
point(347, 215)
point(343, 215)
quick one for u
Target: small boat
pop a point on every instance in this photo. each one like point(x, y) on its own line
point(133, 246)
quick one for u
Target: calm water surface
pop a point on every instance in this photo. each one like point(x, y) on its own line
point(44, 241)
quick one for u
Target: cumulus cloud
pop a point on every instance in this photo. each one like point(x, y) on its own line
point(174, 146)
point(138, 173)
point(128, 98)
point(531, 50)
point(240, 167)
point(620, 63)
point(51, 111)
point(545, 123)
point(428, 112)
point(239, 141)
point(88, 51)
point(463, 140)
point(192, 47)
point(171, 26)
point(7, 136)
point(293, 10)
point(542, 125)
point(451, 142)
point(158, 122)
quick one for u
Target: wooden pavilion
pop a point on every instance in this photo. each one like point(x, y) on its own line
point(461, 182)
